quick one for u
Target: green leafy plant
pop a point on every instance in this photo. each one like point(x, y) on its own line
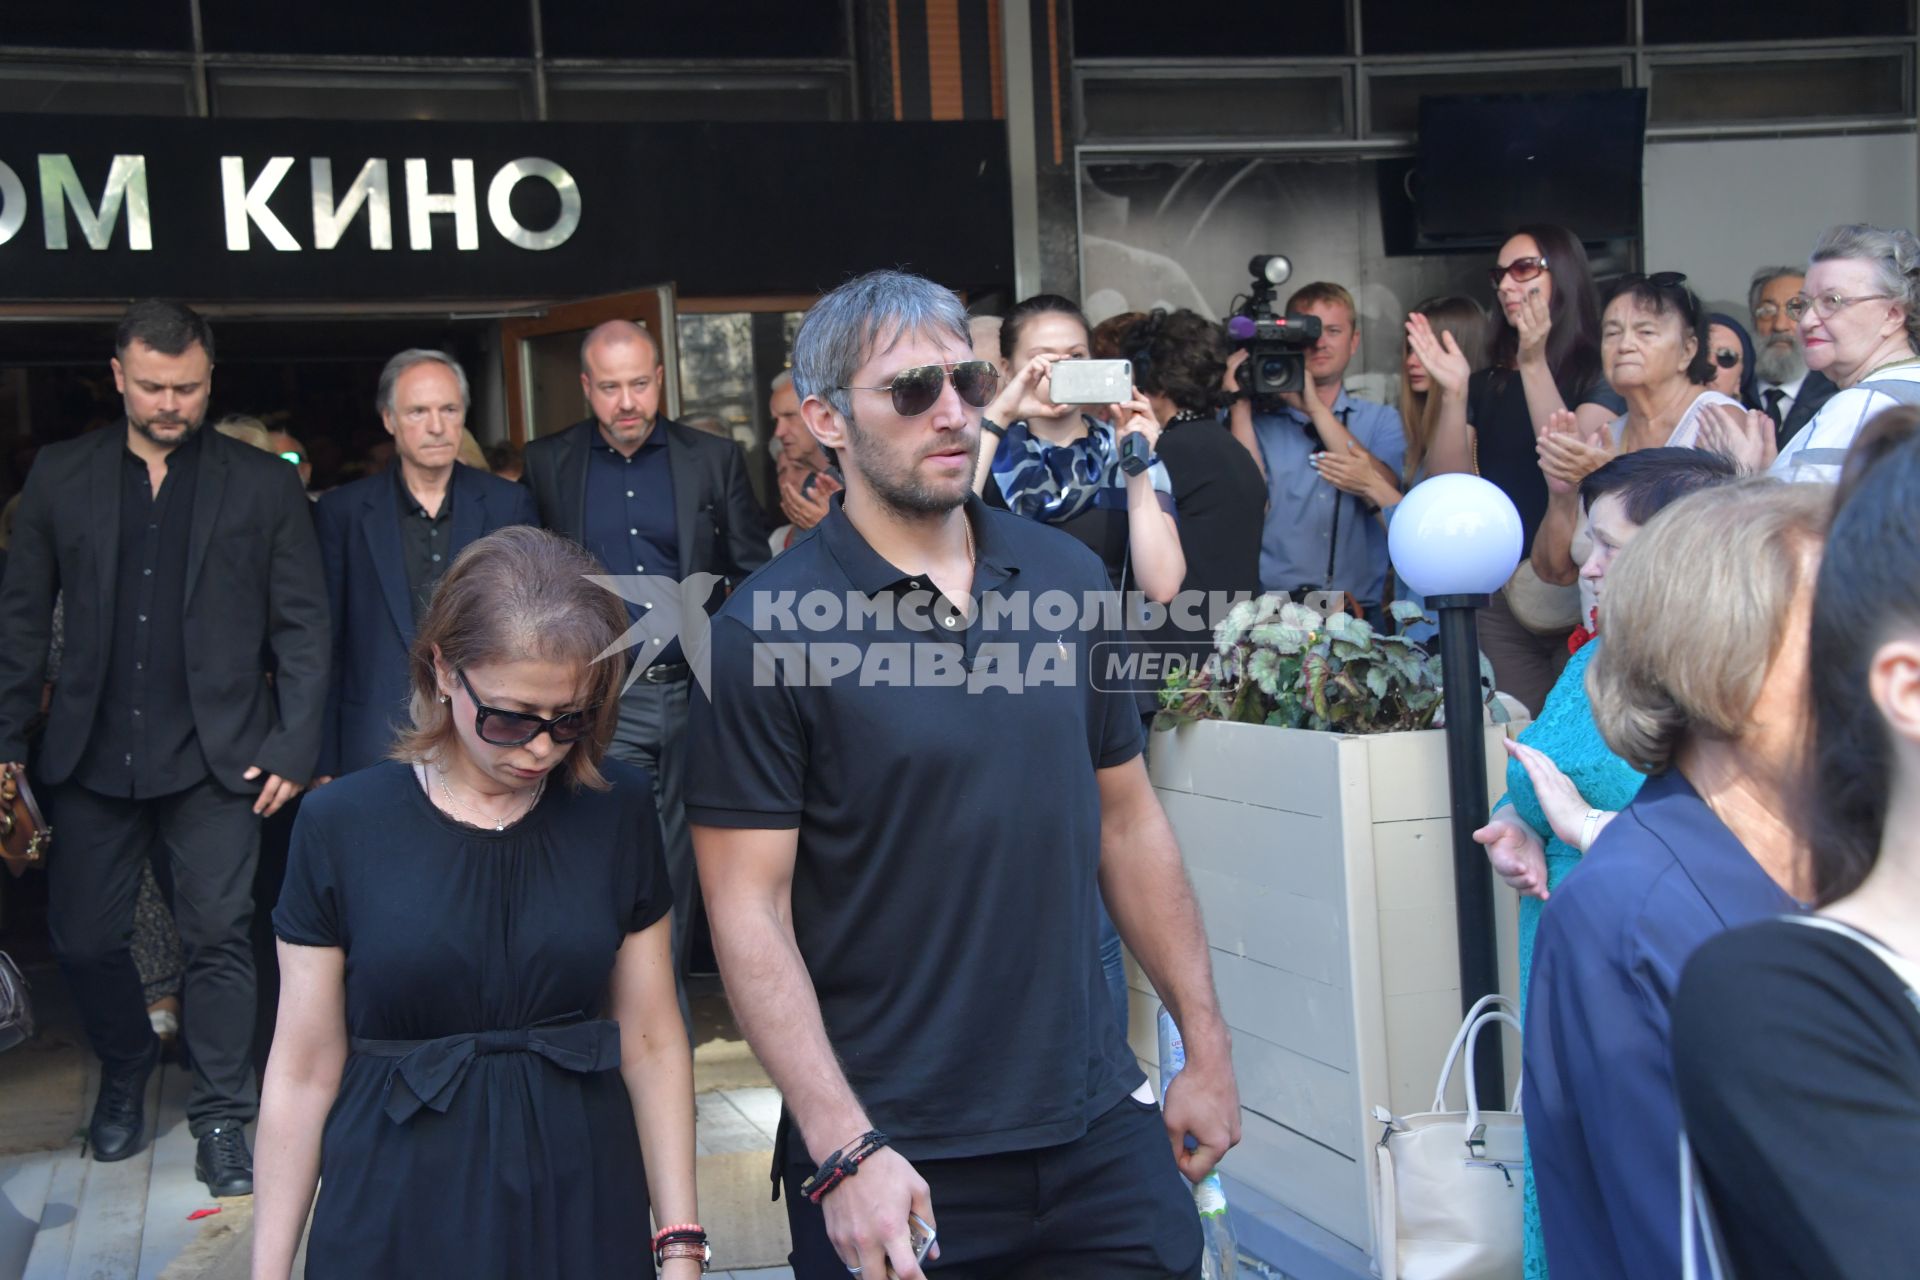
point(1280, 663)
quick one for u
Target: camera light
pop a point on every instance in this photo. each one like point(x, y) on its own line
point(1271, 267)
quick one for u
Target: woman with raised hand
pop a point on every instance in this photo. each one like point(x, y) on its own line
point(1654, 348)
point(1564, 784)
point(480, 1058)
point(1544, 358)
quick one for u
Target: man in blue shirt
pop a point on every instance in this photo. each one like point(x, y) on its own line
point(649, 498)
point(1317, 536)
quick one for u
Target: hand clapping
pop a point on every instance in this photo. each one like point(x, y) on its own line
point(1744, 435)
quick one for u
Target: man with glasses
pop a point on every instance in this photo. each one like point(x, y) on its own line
point(1858, 315)
point(649, 497)
point(1317, 536)
point(904, 909)
point(1790, 392)
point(386, 542)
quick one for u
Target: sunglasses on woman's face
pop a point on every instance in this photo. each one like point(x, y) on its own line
point(517, 728)
point(915, 390)
point(1726, 359)
point(1521, 269)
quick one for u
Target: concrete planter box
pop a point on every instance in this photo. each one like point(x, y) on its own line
point(1323, 867)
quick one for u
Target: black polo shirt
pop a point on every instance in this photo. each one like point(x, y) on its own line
point(144, 743)
point(426, 541)
point(942, 775)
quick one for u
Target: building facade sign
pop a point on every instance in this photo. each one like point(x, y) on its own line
point(109, 208)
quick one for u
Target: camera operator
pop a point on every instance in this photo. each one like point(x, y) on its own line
point(1317, 536)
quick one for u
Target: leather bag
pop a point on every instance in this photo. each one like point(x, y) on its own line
point(25, 836)
point(1447, 1198)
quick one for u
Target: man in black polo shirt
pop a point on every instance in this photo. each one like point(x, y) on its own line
point(902, 801)
point(188, 707)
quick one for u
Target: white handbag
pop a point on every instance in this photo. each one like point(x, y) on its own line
point(1448, 1192)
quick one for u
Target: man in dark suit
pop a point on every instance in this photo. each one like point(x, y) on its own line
point(386, 540)
point(1790, 392)
point(649, 497)
point(188, 707)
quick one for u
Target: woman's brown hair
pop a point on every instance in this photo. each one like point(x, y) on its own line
point(1420, 411)
point(515, 594)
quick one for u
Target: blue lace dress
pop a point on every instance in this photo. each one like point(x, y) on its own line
point(1565, 732)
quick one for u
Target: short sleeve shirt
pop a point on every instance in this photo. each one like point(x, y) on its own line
point(1819, 449)
point(1310, 524)
point(942, 775)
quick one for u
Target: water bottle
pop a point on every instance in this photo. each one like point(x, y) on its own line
point(1222, 1260)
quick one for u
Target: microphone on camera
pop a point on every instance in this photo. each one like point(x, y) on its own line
point(1240, 328)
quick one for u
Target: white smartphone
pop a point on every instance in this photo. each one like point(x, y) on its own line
point(1090, 382)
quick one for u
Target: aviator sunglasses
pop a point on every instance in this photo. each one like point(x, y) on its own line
point(517, 728)
point(1522, 270)
point(915, 390)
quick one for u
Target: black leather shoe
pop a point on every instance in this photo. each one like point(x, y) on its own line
point(224, 1163)
point(119, 1127)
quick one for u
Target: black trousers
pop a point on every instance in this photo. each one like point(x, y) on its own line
point(1111, 1205)
point(652, 733)
point(93, 880)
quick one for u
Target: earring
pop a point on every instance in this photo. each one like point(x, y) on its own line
point(445, 698)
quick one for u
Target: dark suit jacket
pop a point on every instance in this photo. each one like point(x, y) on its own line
point(359, 526)
point(1814, 392)
point(719, 526)
point(255, 605)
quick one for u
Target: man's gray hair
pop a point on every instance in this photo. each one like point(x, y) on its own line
point(844, 329)
point(1894, 255)
point(784, 378)
point(1764, 277)
point(412, 358)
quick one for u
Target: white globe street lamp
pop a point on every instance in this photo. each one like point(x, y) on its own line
point(1456, 539)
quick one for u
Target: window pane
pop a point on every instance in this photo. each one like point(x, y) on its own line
point(420, 28)
point(1149, 29)
point(1718, 21)
point(1270, 107)
point(1823, 88)
point(1421, 26)
point(371, 97)
point(140, 90)
point(694, 29)
point(100, 24)
point(640, 100)
point(1393, 101)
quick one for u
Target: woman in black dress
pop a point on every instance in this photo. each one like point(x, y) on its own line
point(479, 1054)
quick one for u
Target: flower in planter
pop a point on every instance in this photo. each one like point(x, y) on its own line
point(1279, 663)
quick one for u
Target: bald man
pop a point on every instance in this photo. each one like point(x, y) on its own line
point(650, 497)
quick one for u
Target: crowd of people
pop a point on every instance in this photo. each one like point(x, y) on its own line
point(527, 776)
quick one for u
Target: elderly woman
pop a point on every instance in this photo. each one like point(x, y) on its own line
point(1654, 347)
point(479, 1058)
point(1563, 782)
point(1796, 1042)
point(1859, 318)
point(1700, 685)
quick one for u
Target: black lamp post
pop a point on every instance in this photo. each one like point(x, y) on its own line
point(1456, 539)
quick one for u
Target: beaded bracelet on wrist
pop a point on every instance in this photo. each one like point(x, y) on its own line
point(842, 1164)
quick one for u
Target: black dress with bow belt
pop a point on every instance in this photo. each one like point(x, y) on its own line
point(482, 1127)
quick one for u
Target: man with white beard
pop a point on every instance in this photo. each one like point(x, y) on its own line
point(1789, 392)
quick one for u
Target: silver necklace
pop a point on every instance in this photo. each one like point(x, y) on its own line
point(473, 819)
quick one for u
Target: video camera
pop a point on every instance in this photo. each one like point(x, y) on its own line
point(1276, 345)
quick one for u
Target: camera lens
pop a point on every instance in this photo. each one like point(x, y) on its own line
point(1273, 369)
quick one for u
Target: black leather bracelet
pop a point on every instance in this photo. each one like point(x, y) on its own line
point(988, 424)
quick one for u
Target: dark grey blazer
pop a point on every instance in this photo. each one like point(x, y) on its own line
point(1814, 392)
point(255, 607)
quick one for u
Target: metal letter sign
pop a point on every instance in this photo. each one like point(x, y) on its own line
point(500, 203)
point(126, 182)
point(249, 203)
point(13, 203)
point(369, 188)
point(421, 206)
